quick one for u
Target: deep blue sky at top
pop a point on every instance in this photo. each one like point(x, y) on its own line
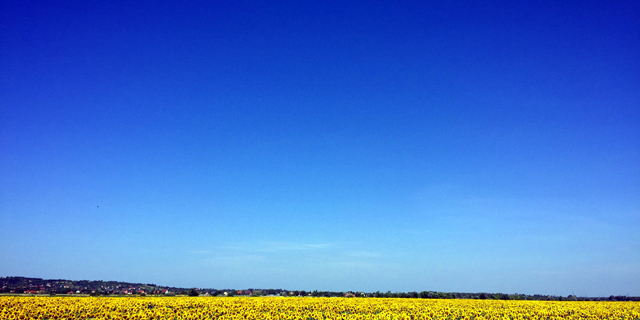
point(451, 146)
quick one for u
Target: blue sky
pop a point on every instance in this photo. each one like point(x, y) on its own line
point(459, 146)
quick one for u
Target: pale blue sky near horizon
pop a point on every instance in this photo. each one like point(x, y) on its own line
point(485, 146)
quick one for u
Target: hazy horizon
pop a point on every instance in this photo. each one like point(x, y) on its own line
point(364, 146)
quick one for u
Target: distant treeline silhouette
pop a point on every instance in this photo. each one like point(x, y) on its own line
point(22, 285)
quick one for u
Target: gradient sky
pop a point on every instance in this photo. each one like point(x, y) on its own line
point(476, 146)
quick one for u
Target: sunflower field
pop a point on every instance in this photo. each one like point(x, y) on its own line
point(277, 308)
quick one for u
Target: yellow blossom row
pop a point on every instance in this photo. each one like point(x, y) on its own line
point(276, 308)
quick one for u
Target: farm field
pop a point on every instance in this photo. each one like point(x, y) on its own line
point(276, 308)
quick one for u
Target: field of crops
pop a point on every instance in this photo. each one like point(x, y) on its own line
point(138, 308)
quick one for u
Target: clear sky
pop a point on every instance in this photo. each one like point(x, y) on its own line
point(472, 146)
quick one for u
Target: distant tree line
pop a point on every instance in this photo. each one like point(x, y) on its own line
point(480, 296)
point(20, 285)
point(61, 286)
